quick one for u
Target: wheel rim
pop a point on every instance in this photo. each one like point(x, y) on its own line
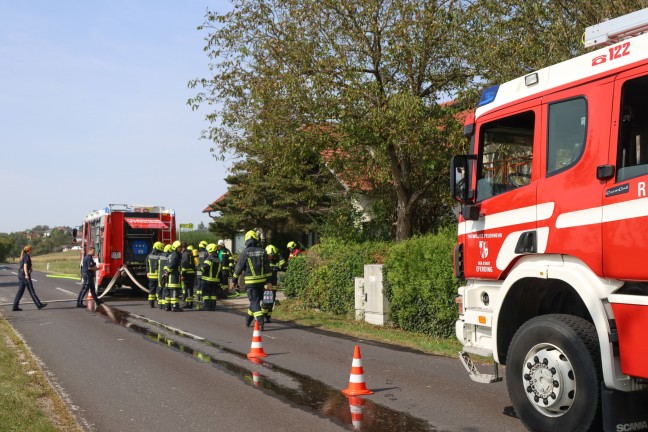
point(549, 380)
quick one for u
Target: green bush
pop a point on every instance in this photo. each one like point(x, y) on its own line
point(421, 285)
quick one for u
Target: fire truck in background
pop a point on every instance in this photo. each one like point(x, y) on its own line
point(123, 235)
point(553, 236)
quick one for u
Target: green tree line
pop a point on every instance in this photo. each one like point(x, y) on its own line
point(11, 244)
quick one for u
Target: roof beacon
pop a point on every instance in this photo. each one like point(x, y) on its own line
point(612, 31)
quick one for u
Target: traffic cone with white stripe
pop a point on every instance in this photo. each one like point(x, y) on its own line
point(356, 405)
point(356, 379)
point(256, 350)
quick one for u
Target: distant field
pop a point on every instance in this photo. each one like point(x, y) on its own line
point(59, 263)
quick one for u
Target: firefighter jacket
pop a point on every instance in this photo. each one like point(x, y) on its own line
point(253, 263)
point(187, 265)
point(225, 257)
point(153, 264)
point(173, 268)
point(278, 263)
point(211, 268)
point(164, 261)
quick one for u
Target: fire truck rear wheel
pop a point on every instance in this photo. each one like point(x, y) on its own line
point(553, 374)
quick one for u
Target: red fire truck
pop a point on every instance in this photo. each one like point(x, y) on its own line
point(123, 235)
point(553, 236)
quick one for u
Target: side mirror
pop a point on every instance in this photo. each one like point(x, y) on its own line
point(461, 169)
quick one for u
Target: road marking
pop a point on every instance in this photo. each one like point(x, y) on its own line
point(66, 291)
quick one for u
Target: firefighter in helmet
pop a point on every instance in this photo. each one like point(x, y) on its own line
point(225, 257)
point(202, 254)
point(153, 271)
point(162, 291)
point(293, 249)
point(174, 283)
point(277, 262)
point(253, 264)
point(210, 279)
point(188, 272)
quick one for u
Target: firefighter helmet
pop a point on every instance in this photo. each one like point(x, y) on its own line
point(221, 243)
point(167, 248)
point(292, 245)
point(190, 248)
point(211, 247)
point(251, 235)
point(202, 244)
point(158, 246)
point(176, 244)
point(271, 250)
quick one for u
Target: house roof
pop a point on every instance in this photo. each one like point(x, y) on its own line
point(212, 207)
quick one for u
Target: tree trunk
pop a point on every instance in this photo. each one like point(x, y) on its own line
point(403, 220)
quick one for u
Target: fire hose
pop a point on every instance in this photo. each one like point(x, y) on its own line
point(114, 279)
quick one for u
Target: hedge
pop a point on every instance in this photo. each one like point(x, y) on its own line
point(418, 275)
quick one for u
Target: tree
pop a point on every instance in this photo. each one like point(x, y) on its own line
point(365, 78)
point(6, 246)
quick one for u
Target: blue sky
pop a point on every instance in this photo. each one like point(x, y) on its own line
point(93, 109)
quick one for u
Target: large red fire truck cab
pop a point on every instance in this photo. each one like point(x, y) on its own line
point(123, 235)
point(553, 236)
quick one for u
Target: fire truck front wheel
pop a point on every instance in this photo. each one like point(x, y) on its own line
point(553, 374)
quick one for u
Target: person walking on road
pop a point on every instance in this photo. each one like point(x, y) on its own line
point(253, 263)
point(277, 262)
point(88, 272)
point(25, 281)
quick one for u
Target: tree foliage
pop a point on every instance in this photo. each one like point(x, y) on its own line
point(365, 78)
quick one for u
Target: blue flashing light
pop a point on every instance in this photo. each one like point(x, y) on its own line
point(488, 95)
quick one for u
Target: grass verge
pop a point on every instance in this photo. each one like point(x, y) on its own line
point(63, 263)
point(27, 401)
point(293, 311)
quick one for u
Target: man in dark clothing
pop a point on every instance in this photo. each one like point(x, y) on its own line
point(88, 272)
point(210, 279)
point(225, 257)
point(153, 271)
point(253, 263)
point(174, 283)
point(188, 271)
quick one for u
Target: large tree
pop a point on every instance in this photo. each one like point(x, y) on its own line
point(366, 78)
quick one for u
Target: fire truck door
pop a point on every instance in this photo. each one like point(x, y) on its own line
point(625, 198)
point(577, 123)
point(505, 192)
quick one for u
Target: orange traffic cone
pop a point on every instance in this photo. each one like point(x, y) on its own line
point(256, 350)
point(356, 405)
point(90, 301)
point(356, 379)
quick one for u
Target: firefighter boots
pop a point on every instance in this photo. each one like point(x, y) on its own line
point(248, 320)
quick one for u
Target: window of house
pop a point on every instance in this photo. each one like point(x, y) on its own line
point(566, 134)
point(632, 154)
point(505, 156)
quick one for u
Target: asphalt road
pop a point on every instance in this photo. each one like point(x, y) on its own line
point(127, 367)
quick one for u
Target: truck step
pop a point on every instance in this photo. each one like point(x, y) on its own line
point(474, 374)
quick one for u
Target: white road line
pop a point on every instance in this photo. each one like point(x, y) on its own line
point(66, 291)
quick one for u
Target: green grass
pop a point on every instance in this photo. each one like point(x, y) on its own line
point(27, 401)
point(64, 263)
point(293, 311)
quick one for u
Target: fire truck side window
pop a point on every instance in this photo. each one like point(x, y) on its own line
point(566, 134)
point(632, 155)
point(505, 155)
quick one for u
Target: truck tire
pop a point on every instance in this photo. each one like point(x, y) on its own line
point(553, 374)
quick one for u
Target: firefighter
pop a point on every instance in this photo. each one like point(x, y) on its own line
point(294, 250)
point(188, 272)
point(162, 291)
point(202, 254)
point(210, 279)
point(225, 257)
point(153, 271)
point(277, 262)
point(253, 263)
point(174, 282)
point(88, 270)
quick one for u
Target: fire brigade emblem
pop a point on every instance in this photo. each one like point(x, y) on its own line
point(483, 249)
